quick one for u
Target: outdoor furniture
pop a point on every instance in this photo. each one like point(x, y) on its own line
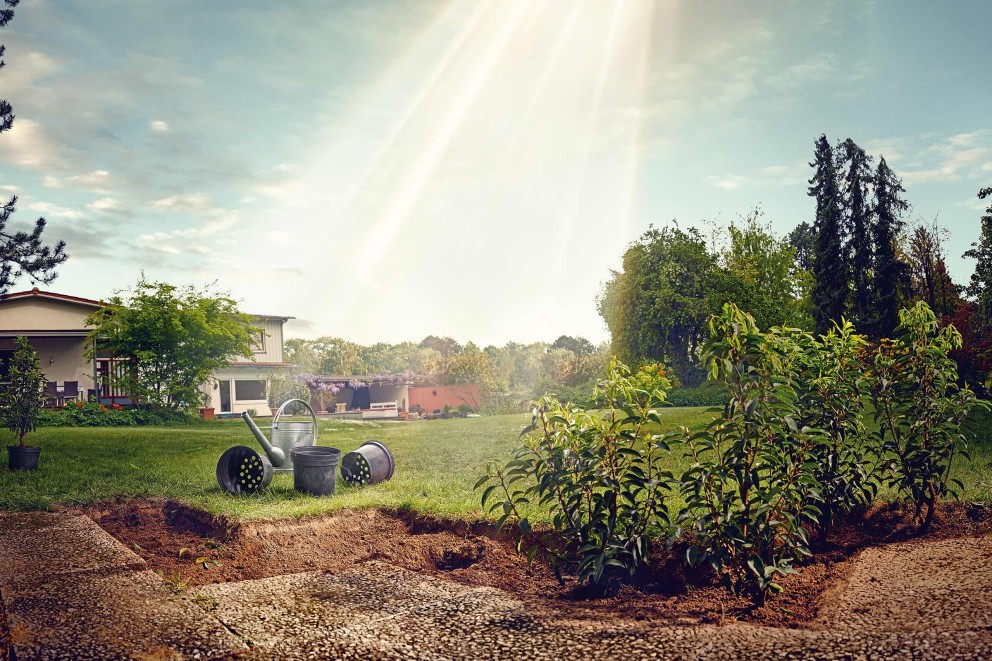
point(70, 391)
point(52, 394)
point(381, 410)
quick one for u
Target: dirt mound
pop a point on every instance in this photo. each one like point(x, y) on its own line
point(191, 548)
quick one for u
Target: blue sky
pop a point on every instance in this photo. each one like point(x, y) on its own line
point(387, 170)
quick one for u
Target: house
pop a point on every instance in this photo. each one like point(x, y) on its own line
point(53, 324)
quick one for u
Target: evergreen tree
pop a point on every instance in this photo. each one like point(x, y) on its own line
point(22, 253)
point(803, 241)
point(980, 286)
point(855, 165)
point(830, 276)
point(891, 274)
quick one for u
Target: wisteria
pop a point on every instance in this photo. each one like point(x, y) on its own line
point(317, 384)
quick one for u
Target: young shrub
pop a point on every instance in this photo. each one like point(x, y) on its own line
point(22, 398)
point(751, 486)
point(830, 382)
point(599, 475)
point(920, 409)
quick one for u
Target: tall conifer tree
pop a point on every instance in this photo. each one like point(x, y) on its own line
point(890, 273)
point(980, 286)
point(829, 293)
point(854, 165)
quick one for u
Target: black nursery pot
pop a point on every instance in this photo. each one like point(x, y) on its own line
point(22, 458)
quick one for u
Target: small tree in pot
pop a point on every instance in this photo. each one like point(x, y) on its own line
point(21, 401)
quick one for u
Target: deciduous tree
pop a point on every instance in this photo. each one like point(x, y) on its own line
point(176, 337)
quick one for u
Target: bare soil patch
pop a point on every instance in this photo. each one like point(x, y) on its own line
point(190, 548)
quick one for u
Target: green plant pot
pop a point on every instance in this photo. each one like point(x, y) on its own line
point(22, 458)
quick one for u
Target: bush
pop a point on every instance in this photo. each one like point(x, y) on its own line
point(830, 381)
point(708, 394)
point(750, 488)
point(91, 414)
point(920, 409)
point(600, 476)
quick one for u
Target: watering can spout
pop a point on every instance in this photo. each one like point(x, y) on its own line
point(276, 455)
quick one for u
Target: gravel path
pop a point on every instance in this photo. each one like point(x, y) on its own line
point(72, 591)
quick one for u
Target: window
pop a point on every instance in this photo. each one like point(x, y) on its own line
point(259, 345)
point(249, 390)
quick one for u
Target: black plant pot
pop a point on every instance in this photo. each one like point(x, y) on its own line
point(22, 457)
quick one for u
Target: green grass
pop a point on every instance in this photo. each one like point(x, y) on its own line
point(437, 463)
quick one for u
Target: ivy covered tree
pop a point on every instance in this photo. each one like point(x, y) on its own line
point(22, 252)
point(830, 275)
point(890, 273)
point(855, 166)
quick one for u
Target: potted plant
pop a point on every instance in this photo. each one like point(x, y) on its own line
point(21, 401)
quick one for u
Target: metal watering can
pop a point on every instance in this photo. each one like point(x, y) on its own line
point(286, 435)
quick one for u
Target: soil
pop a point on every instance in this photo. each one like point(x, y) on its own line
point(190, 548)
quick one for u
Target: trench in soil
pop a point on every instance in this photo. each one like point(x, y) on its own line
point(189, 547)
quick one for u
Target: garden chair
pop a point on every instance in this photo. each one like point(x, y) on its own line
point(70, 391)
point(52, 394)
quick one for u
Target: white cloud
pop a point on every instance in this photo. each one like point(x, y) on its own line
point(159, 126)
point(51, 182)
point(28, 145)
point(188, 202)
point(104, 204)
point(53, 210)
point(97, 181)
point(166, 241)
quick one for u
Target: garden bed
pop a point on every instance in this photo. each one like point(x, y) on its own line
point(190, 547)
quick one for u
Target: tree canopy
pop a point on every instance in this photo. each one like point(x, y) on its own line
point(176, 337)
point(22, 252)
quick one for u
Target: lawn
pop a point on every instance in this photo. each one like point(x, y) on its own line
point(437, 462)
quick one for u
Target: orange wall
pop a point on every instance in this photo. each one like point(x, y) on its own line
point(435, 397)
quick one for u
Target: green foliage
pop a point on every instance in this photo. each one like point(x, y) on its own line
point(22, 398)
point(891, 273)
point(830, 276)
point(854, 170)
point(176, 338)
point(657, 306)
point(601, 477)
point(920, 408)
point(93, 414)
point(757, 273)
point(980, 285)
point(750, 488)
point(830, 382)
point(707, 394)
point(283, 388)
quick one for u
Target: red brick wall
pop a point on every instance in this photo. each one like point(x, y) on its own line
point(435, 397)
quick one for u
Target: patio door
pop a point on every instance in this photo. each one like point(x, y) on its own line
point(225, 396)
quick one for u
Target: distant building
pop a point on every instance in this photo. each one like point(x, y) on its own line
point(53, 324)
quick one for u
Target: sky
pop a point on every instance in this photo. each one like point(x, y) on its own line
point(385, 170)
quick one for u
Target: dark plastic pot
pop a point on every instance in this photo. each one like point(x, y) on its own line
point(242, 470)
point(370, 464)
point(315, 469)
point(22, 457)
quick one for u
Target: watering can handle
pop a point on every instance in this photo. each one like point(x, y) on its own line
point(275, 420)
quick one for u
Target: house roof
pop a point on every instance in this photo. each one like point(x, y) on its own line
point(55, 296)
point(50, 295)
